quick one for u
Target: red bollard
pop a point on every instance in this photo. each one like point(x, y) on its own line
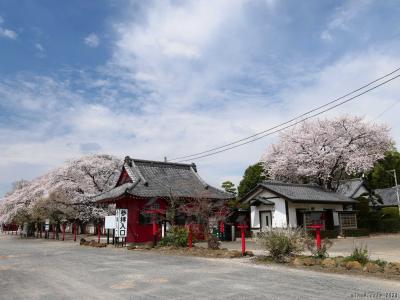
point(74, 232)
point(243, 233)
point(317, 228)
point(190, 238)
point(318, 236)
point(98, 233)
point(63, 233)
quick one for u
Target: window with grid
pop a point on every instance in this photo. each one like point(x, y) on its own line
point(348, 221)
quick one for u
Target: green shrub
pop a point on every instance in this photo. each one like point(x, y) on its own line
point(380, 262)
point(390, 225)
point(282, 243)
point(390, 212)
point(319, 253)
point(176, 237)
point(359, 254)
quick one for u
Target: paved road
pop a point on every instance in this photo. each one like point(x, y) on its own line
point(39, 269)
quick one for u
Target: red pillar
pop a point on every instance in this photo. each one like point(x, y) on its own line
point(155, 229)
point(98, 232)
point(243, 233)
point(318, 237)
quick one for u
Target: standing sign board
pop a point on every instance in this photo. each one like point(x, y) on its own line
point(47, 225)
point(121, 222)
point(110, 222)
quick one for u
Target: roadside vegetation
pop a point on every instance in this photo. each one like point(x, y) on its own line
point(285, 246)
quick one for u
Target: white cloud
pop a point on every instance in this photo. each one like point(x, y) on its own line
point(39, 47)
point(92, 40)
point(41, 52)
point(343, 16)
point(6, 32)
point(171, 90)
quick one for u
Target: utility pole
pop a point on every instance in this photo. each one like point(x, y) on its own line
point(397, 188)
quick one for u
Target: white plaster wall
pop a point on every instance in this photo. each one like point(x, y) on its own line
point(255, 217)
point(278, 211)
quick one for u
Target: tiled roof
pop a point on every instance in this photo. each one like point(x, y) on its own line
point(388, 196)
point(304, 192)
point(164, 179)
point(349, 187)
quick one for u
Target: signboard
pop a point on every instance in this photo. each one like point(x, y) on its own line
point(47, 225)
point(110, 222)
point(121, 222)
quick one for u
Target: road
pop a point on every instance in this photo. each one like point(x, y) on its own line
point(40, 269)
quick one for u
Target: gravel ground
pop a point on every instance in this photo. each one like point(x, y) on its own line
point(41, 269)
point(386, 247)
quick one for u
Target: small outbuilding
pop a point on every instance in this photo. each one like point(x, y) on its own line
point(146, 185)
point(275, 204)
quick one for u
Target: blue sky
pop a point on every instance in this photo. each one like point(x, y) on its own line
point(167, 78)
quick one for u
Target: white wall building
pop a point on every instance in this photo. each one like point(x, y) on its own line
point(280, 205)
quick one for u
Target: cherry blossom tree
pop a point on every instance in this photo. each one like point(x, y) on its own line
point(324, 151)
point(75, 183)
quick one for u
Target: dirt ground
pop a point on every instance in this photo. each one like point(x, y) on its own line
point(47, 269)
point(386, 247)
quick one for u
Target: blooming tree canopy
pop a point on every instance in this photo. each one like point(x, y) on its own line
point(323, 151)
point(72, 186)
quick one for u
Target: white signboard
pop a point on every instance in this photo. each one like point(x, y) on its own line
point(121, 222)
point(110, 222)
point(47, 225)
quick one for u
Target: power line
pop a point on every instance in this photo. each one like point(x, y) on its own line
point(386, 110)
point(291, 125)
point(287, 122)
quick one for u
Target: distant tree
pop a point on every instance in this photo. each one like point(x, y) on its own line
point(324, 151)
point(229, 187)
point(252, 176)
point(379, 177)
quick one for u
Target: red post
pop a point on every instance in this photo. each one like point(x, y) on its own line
point(318, 237)
point(190, 238)
point(98, 233)
point(63, 233)
point(155, 229)
point(243, 232)
point(317, 228)
point(74, 232)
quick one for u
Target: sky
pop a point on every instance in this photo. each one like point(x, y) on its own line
point(155, 79)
